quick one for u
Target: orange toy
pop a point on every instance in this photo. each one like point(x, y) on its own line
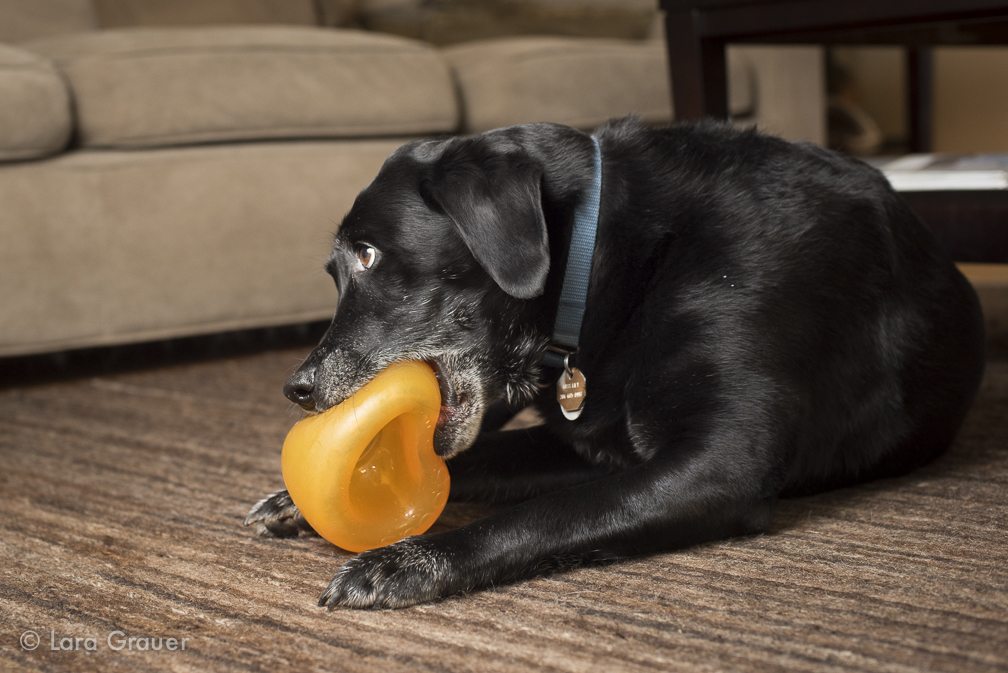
point(364, 473)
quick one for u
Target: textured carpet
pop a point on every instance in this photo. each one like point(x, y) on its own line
point(121, 514)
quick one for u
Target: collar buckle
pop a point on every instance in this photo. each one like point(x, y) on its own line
point(559, 357)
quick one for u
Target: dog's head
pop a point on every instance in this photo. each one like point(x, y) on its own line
point(445, 258)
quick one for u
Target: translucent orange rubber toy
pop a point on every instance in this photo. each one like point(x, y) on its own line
point(364, 473)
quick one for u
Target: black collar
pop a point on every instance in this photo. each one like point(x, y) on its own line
point(574, 292)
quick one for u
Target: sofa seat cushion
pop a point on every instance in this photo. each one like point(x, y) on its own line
point(108, 247)
point(152, 87)
point(580, 82)
point(35, 114)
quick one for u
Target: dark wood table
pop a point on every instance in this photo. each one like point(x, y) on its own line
point(698, 32)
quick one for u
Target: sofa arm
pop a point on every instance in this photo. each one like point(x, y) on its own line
point(35, 118)
point(790, 90)
point(781, 89)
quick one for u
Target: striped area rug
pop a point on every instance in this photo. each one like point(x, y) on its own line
point(122, 549)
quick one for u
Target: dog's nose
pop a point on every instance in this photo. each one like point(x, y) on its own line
point(301, 393)
point(299, 390)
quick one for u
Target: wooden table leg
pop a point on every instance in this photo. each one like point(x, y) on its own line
point(920, 88)
point(697, 68)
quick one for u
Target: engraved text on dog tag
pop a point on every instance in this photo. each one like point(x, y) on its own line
point(571, 392)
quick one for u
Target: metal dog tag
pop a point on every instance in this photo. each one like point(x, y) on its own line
point(572, 388)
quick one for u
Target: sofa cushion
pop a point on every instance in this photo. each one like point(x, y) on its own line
point(142, 245)
point(22, 20)
point(148, 87)
point(122, 13)
point(452, 21)
point(35, 116)
point(581, 82)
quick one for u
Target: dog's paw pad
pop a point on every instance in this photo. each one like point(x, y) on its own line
point(276, 515)
point(406, 573)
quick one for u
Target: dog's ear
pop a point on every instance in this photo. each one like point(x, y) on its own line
point(495, 201)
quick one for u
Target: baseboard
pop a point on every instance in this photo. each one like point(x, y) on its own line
point(991, 283)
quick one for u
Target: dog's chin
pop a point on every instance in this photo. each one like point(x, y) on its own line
point(451, 439)
point(461, 410)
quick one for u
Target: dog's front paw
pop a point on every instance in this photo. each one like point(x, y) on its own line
point(276, 515)
point(406, 573)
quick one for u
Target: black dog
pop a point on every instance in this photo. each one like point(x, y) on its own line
point(764, 318)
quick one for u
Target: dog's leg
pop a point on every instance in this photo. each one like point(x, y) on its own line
point(276, 515)
point(514, 465)
point(679, 499)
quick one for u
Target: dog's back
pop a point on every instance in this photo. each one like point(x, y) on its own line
point(802, 268)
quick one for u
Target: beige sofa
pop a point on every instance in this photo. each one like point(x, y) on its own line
point(177, 167)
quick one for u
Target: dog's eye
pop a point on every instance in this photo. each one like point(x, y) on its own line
point(366, 256)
